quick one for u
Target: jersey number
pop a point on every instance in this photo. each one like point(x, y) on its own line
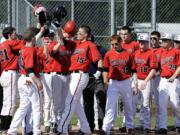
point(144, 69)
point(80, 60)
point(4, 55)
point(172, 67)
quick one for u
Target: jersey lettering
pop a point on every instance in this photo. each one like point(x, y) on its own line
point(4, 55)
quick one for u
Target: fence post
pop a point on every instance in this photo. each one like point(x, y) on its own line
point(153, 16)
point(9, 12)
point(72, 9)
point(17, 16)
point(125, 13)
point(28, 16)
point(13, 13)
point(112, 16)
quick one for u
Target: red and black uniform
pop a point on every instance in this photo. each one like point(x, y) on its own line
point(145, 61)
point(9, 50)
point(83, 54)
point(30, 61)
point(120, 64)
point(131, 46)
point(170, 61)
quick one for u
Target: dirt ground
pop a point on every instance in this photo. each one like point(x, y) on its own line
point(113, 132)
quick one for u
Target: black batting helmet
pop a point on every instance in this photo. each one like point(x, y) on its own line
point(59, 12)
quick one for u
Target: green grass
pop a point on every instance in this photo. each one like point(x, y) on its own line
point(118, 121)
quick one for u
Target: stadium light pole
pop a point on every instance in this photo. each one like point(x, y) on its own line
point(112, 16)
point(153, 16)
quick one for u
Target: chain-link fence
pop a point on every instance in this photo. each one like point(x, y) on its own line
point(103, 16)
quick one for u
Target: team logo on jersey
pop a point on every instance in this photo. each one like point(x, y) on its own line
point(167, 60)
point(140, 61)
point(79, 51)
point(118, 62)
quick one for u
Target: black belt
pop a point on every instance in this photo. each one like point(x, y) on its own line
point(47, 72)
point(61, 73)
point(167, 77)
point(78, 71)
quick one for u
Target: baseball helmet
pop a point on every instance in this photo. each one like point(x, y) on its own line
point(70, 28)
point(59, 12)
point(37, 9)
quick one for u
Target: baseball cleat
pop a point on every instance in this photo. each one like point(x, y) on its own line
point(130, 131)
point(81, 133)
point(122, 129)
point(161, 131)
point(178, 130)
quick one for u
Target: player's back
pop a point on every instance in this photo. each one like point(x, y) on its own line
point(8, 58)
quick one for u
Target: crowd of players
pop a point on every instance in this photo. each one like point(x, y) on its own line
point(61, 70)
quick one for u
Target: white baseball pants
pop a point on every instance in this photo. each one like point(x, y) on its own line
point(145, 120)
point(166, 90)
point(114, 89)
point(9, 83)
point(28, 95)
point(154, 92)
point(78, 82)
point(47, 89)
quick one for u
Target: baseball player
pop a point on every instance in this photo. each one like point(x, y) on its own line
point(170, 64)
point(60, 78)
point(177, 45)
point(118, 64)
point(131, 46)
point(83, 52)
point(177, 41)
point(9, 64)
point(170, 69)
point(29, 85)
point(47, 83)
point(146, 65)
point(156, 48)
point(94, 94)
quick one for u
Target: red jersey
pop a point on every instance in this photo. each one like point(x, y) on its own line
point(83, 54)
point(59, 61)
point(30, 60)
point(158, 52)
point(131, 46)
point(170, 61)
point(120, 64)
point(9, 51)
point(145, 61)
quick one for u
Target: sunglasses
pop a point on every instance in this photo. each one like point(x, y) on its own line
point(177, 42)
point(115, 44)
point(153, 38)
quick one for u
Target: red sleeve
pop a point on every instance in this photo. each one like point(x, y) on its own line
point(94, 54)
point(178, 58)
point(29, 58)
point(16, 44)
point(51, 46)
point(153, 61)
point(106, 60)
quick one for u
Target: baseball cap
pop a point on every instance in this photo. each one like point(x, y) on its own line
point(176, 37)
point(143, 37)
point(166, 36)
